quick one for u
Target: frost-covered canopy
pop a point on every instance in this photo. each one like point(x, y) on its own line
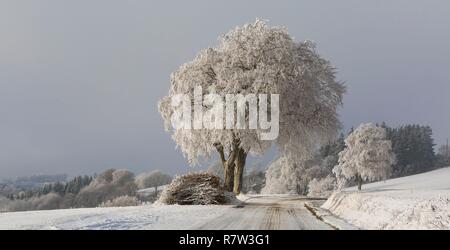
point(155, 178)
point(258, 59)
point(368, 154)
point(283, 177)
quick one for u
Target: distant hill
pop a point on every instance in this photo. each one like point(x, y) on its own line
point(34, 180)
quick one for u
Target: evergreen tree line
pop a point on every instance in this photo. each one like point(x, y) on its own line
point(443, 156)
point(73, 186)
point(413, 146)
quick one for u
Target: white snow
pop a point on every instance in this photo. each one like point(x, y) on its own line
point(150, 191)
point(258, 212)
point(155, 216)
point(329, 218)
point(414, 202)
point(140, 217)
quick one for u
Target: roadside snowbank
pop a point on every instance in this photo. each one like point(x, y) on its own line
point(329, 218)
point(415, 202)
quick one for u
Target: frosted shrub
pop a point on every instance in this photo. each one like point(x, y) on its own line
point(282, 177)
point(322, 187)
point(285, 177)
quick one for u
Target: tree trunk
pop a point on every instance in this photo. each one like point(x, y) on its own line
point(228, 164)
point(239, 171)
point(229, 176)
point(156, 191)
point(359, 180)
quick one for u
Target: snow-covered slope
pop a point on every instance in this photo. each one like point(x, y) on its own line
point(414, 202)
point(150, 191)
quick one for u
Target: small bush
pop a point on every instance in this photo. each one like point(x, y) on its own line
point(194, 189)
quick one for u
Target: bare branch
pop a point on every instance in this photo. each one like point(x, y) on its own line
point(219, 148)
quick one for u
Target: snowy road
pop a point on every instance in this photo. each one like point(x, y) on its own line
point(268, 213)
point(256, 212)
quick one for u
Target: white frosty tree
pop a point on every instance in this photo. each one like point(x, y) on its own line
point(283, 176)
point(322, 187)
point(154, 179)
point(368, 156)
point(257, 59)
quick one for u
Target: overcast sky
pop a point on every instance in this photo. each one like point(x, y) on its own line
point(80, 80)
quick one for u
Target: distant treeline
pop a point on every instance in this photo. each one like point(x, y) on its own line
point(414, 148)
point(110, 188)
point(73, 186)
point(33, 181)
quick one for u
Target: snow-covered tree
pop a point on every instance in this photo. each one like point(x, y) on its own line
point(368, 155)
point(443, 157)
point(444, 150)
point(254, 181)
point(153, 179)
point(329, 154)
point(322, 187)
point(106, 186)
point(283, 177)
point(257, 59)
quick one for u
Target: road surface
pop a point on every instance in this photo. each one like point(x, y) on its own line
point(267, 213)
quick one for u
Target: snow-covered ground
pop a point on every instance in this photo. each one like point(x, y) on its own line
point(120, 218)
point(414, 202)
point(141, 217)
point(255, 212)
point(150, 191)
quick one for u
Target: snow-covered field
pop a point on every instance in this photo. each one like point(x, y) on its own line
point(150, 191)
point(415, 202)
point(141, 217)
